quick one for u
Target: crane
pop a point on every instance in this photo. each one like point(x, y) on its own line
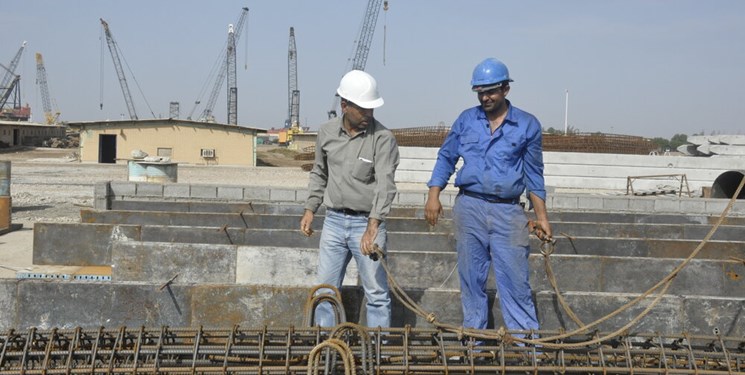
point(293, 98)
point(114, 48)
point(221, 73)
point(232, 82)
point(9, 76)
point(41, 80)
point(363, 42)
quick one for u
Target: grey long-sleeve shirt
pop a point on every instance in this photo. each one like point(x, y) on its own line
point(354, 172)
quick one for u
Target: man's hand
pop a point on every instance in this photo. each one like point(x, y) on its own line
point(541, 229)
point(433, 207)
point(367, 243)
point(305, 223)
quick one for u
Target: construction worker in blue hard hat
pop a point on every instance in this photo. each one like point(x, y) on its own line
point(355, 163)
point(500, 145)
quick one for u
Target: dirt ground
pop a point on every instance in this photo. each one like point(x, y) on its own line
point(51, 185)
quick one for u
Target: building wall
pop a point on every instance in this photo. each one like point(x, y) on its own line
point(29, 134)
point(182, 143)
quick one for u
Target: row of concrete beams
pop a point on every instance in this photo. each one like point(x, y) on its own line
point(153, 259)
point(353, 349)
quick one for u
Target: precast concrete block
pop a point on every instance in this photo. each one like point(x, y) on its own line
point(590, 203)
point(177, 191)
point(233, 193)
point(667, 317)
point(423, 270)
point(277, 266)
point(159, 262)
point(286, 195)
point(123, 189)
point(74, 244)
point(691, 206)
point(102, 195)
point(641, 204)
point(411, 198)
point(301, 195)
point(204, 191)
point(248, 306)
point(149, 190)
point(632, 275)
point(444, 304)
point(8, 303)
point(63, 304)
point(564, 202)
point(716, 206)
point(571, 273)
point(712, 316)
point(616, 203)
point(150, 305)
point(194, 235)
point(256, 193)
point(667, 205)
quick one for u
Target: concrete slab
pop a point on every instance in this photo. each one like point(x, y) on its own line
point(78, 245)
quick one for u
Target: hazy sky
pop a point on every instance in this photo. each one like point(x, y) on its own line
point(639, 67)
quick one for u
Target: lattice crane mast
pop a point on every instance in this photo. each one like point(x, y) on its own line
point(232, 81)
point(41, 80)
point(207, 113)
point(114, 49)
point(10, 71)
point(293, 94)
point(363, 42)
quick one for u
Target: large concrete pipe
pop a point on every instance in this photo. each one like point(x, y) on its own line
point(726, 184)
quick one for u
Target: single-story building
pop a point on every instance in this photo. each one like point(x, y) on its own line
point(183, 141)
point(23, 133)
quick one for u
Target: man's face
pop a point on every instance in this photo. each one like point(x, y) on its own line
point(492, 99)
point(357, 117)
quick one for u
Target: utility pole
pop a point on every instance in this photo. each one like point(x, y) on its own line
point(566, 111)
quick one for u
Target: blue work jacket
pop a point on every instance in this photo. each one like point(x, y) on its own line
point(503, 164)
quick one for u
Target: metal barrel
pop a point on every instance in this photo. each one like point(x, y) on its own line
point(4, 178)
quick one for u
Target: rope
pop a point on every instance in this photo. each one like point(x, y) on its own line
point(547, 341)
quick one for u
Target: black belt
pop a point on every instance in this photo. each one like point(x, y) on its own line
point(350, 212)
point(490, 198)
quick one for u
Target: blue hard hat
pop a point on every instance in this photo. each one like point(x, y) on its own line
point(490, 72)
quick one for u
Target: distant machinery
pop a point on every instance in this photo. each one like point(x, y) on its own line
point(115, 57)
point(224, 60)
point(363, 42)
point(293, 99)
point(114, 48)
point(10, 88)
point(41, 79)
point(173, 110)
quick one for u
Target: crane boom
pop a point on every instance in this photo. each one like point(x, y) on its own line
point(9, 76)
point(293, 94)
point(114, 49)
point(209, 107)
point(41, 80)
point(366, 34)
point(363, 43)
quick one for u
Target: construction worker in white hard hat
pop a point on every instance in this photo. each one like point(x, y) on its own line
point(500, 145)
point(355, 162)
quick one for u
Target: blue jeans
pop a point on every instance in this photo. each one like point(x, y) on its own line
point(493, 234)
point(340, 241)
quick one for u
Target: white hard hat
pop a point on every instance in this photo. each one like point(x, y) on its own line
point(361, 89)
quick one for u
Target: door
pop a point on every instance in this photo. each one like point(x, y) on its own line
point(107, 148)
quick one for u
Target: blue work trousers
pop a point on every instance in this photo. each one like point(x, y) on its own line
point(493, 234)
point(340, 241)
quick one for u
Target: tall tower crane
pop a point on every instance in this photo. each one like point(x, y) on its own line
point(207, 114)
point(10, 79)
point(232, 81)
point(293, 98)
point(114, 48)
point(363, 42)
point(41, 80)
